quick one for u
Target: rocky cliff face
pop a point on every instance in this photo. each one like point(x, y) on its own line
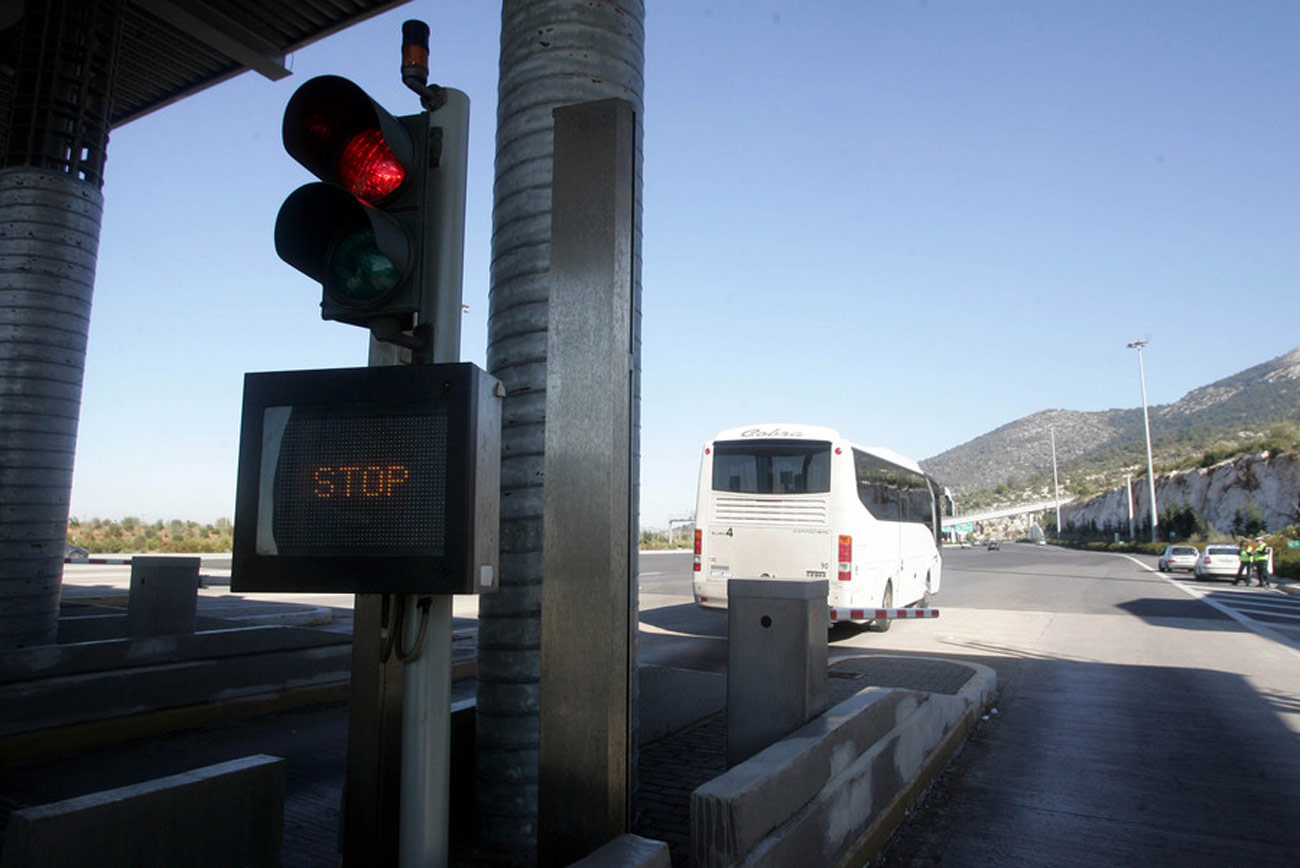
point(1268, 482)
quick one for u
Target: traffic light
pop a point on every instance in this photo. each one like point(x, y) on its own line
point(384, 226)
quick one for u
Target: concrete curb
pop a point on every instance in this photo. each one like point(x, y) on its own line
point(627, 851)
point(832, 792)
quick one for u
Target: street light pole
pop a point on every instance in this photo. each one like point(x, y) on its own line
point(1146, 422)
point(1128, 486)
point(1056, 483)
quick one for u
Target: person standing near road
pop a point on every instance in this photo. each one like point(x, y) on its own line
point(1246, 558)
point(1263, 559)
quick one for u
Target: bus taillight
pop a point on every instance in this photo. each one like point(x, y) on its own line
point(699, 541)
point(846, 559)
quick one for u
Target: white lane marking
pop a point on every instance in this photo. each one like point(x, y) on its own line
point(1249, 623)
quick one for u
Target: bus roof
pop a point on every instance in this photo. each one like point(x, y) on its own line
point(795, 431)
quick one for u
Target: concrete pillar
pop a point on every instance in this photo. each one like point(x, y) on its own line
point(50, 214)
point(776, 661)
point(553, 53)
point(49, 235)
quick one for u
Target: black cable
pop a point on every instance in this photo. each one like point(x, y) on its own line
point(390, 627)
point(425, 603)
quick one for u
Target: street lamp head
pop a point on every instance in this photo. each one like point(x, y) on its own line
point(1137, 345)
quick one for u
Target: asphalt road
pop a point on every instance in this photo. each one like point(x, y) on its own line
point(1142, 720)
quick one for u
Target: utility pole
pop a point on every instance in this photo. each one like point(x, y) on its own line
point(1146, 422)
point(1056, 482)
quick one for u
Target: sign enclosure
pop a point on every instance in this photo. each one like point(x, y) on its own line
point(368, 480)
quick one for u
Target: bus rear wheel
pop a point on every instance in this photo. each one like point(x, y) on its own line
point(880, 625)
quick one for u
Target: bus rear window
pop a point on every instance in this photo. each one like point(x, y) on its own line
point(772, 466)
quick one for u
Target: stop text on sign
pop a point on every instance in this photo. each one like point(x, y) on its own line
point(355, 480)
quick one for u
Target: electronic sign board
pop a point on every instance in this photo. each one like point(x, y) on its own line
point(369, 480)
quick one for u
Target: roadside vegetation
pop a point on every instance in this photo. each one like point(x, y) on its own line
point(114, 536)
point(662, 540)
point(131, 534)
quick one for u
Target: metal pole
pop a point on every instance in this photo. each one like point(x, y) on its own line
point(426, 738)
point(1056, 482)
point(426, 679)
point(400, 721)
point(1146, 422)
point(1128, 485)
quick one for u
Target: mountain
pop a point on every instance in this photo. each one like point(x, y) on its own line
point(1230, 411)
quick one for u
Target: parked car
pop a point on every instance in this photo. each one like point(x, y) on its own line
point(1178, 558)
point(1217, 561)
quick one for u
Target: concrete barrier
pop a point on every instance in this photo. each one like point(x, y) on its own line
point(627, 851)
point(830, 792)
point(227, 814)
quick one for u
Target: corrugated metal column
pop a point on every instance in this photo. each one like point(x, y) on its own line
point(553, 54)
point(50, 215)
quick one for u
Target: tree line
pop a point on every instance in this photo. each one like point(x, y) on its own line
point(131, 534)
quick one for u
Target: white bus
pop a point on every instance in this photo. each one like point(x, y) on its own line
point(801, 502)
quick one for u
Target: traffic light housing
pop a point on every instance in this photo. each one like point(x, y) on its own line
point(382, 231)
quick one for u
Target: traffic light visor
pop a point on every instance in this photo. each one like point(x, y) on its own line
point(357, 253)
point(342, 136)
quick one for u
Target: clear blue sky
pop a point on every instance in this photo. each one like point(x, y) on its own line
point(911, 220)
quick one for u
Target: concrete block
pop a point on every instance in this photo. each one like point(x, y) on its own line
point(627, 851)
point(80, 658)
point(671, 699)
point(824, 792)
point(776, 660)
point(164, 595)
point(227, 814)
point(47, 703)
point(734, 812)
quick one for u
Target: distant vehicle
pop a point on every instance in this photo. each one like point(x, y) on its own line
point(995, 546)
point(1178, 558)
point(1217, 561)
point(802, 502)
point(75, 554)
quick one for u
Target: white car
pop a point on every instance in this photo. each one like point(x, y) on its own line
point(1217, 561)
point(1178, 558)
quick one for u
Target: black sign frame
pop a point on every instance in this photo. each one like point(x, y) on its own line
point(464, 563)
